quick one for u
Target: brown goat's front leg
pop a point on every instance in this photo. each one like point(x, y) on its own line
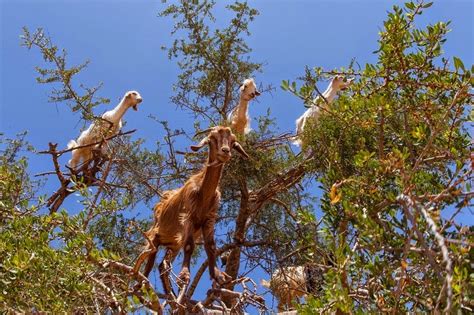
point(150, 263)
point(165, 270)
point(210, 247)
point(149, 253)
point(184, 275)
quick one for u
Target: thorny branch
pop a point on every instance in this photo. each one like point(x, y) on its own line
point(441, 243)
point(247, 296)
point(88, 177)
point(256, 200)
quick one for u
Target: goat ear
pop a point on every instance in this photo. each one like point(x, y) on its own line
point(199, 146)
point(241, 150)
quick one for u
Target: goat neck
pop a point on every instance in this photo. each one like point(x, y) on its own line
point(242, 107)
point(117, 113)
point(330, 93)
point(212, 175)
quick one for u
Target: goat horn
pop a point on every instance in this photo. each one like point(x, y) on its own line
point(197, 147)
point(203, 131)
point(241, 150)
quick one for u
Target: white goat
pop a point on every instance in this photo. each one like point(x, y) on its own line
point(288, 284)
point(337, 84)
point(109, 125)
point(239, 117)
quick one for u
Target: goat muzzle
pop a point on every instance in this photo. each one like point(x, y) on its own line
point(224, 157)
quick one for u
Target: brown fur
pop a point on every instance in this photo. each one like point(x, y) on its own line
point(186, 213)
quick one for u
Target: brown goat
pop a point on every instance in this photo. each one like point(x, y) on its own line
point(190, 211)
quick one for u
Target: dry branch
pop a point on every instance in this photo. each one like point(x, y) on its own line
point(252, 203)
point(86, 175)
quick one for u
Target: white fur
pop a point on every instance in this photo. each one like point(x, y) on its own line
point(239, 117)
point(110, 125)
point(287, 285)
point(337, 83)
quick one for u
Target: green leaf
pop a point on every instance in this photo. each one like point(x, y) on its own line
point(135, 299)
point(458, 64)
point(293, 86)
point(410, 5)
point(426, 6)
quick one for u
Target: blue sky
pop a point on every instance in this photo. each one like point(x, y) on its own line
point(122, 39)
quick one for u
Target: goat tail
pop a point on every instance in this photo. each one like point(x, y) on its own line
point(72, 144)
point(265, 283)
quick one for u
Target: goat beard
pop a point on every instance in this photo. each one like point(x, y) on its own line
point(223, 159)
point(215, 163)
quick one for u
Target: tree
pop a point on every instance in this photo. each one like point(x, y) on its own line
point(392, 156)
point(396, 176)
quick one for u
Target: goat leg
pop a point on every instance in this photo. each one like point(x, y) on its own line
point(144, 255)
point(210, 247)
point(164, 269)
point(149, 253)
point(184, 275)
point(150, 263)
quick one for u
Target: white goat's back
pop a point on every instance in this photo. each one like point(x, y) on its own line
point(288, 274)
point(72, 144)
point(287, 285)
point(312, 112)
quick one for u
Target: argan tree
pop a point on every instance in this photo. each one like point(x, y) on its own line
point(392, 156)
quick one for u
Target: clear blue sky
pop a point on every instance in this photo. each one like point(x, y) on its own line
point(123, 39)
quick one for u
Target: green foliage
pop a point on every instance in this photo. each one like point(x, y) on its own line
point(60, 74)
point(401, 130)
point(137, 172)
point(213, 61)
point(16, 189)
point(43, 257)
point(34, 273)
point(391, 156)
point(110, 232)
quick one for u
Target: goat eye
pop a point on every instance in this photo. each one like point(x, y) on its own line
point(135, 94)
